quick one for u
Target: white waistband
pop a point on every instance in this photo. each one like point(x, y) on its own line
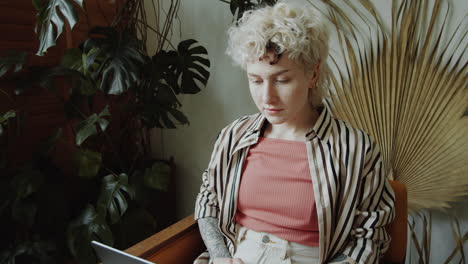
point(269, 239)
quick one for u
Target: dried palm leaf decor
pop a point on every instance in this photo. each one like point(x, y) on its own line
point(407, 87)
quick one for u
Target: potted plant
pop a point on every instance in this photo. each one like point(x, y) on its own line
point(94, 177)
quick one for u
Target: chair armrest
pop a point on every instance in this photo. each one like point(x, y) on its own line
point(178, 244)
point(398, 228)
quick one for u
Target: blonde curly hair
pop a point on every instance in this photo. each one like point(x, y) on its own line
point(287, 27)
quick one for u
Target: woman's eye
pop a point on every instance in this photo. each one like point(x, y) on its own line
point(256, 81)
point(282, 81)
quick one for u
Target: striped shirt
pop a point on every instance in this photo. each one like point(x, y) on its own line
point(354, 200)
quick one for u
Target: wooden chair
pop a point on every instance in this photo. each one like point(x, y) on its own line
point(181, 243)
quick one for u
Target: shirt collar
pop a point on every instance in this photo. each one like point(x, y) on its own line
point(321, 128)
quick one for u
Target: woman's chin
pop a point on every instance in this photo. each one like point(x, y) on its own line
point(275, 120)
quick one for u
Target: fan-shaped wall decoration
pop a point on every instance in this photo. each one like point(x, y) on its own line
point(407, 87)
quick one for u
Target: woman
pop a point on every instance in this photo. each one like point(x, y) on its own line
point(291, 184)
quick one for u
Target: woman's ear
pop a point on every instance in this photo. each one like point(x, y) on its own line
point(315, 75)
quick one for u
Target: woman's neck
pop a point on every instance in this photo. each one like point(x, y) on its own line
point(291, 131)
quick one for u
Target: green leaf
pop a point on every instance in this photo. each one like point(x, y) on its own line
point(90, 225)
point(240, 6)
point(27, 181)
point(4, 118)
point(84, 62)
point(7, 115)
point(118, 56)
point(14, 60)
point(179, 116)
point(191, 67)
point(23, 185)
point(113, 197)
point(158, 177)
point(87, 127)
point(166, 121)
point(49, 143)
point(35, 76)
point(103, 123)
point(156, 99)
point(47, 78)
point(87, 162)
point(36, 251)
point(51, 17)
point(72, 59)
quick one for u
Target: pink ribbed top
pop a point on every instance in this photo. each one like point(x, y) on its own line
point(276, 194)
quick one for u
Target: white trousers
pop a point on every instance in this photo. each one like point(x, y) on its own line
point(259, 247)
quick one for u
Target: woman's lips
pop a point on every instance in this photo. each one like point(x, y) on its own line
point(272, 110)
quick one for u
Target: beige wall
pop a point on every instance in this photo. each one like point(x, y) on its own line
point(226, 98)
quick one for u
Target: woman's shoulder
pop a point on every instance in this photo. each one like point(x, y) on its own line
point(238, 128)
point(244, 123)
point(350, 132)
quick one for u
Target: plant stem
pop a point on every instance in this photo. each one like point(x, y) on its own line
point(155, 31)
point(7, 95)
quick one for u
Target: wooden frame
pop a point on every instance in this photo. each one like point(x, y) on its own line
point(177, 244)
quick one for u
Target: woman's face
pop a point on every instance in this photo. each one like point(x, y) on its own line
point(280, 90)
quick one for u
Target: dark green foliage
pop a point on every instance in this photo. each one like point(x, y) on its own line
point(49, 213)
point(118, 56)
point(240, 6)
point(51, 17)
point(14, 60)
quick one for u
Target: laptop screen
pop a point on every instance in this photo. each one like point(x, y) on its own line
point(110, 255)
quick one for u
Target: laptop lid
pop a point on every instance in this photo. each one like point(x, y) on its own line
point(110, 255)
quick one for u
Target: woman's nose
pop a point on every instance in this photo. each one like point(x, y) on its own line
point(269, 93)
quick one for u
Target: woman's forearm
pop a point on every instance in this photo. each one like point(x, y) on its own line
point(213, 238)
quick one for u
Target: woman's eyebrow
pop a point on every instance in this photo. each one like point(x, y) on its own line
point(274, 74)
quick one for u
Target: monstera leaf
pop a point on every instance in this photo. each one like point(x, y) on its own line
point(52, 13)
point(23, 186)
point(158, 177)
point(118, 56)
point(113, 197)
point(87, 162)
point(87, 227)
point(37, 251)
point(4, 118)
point(85, 62)
point(189, 66)
point(167, 75)
point(240, 6)
point(14, 60)
point(87, 127)
point(158, 103)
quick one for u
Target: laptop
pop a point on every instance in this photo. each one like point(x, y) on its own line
point(110, 255)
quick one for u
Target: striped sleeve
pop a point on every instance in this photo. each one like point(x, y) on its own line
point(369, 239)
point(206, 204)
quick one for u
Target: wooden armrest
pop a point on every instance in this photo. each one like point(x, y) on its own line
point(178, 244)
point(398, 228)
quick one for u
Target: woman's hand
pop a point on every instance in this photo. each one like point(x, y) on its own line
point(227, 261)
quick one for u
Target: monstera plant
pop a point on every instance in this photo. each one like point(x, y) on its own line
point(113, 92)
